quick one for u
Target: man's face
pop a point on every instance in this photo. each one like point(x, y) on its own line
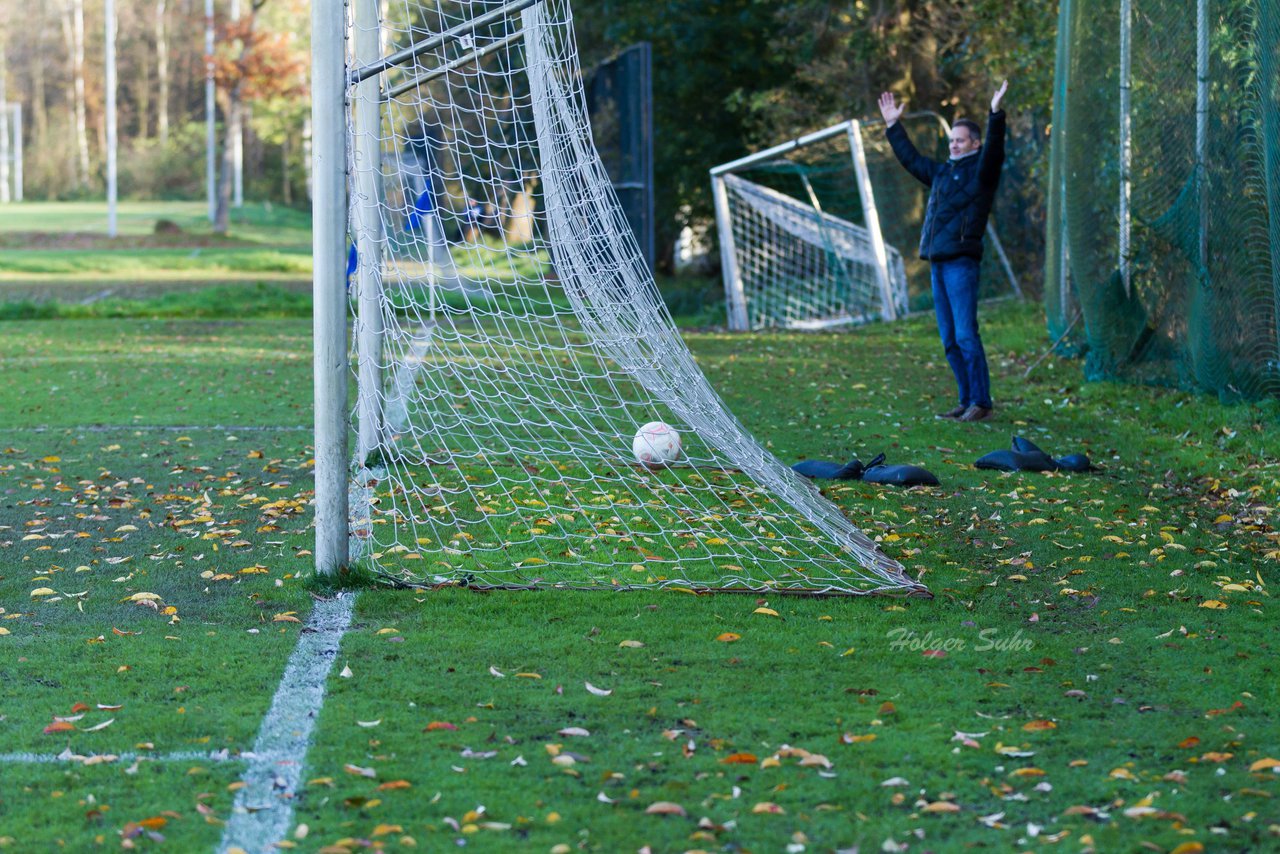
point(962, 143)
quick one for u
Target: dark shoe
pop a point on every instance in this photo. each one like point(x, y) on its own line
point(976, 413)
point(953, 414)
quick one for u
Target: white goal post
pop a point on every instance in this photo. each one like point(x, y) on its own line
point(798, 256)
point(507, 340)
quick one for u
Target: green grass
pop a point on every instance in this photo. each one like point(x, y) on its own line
point(255, 223)
point(1069, 599)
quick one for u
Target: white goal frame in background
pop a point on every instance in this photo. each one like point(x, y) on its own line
point(889, 277)
point(10, 152)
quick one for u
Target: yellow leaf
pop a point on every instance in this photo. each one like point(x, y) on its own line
point(766, 807)
point(1188, 848)
point(3, 631)
point(285, 618)
point(1121, 774)
point(1264, 764)
point(1213, 603)
point(728, 637)
point(43, 591)
point(941, 807)
point(717, 541)
point(142, 597)
point(630, 644)
point(1036, 726)
point(1027, 772)
point(769, 612)
point(384, 829)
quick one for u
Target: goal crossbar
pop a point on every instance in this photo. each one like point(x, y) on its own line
point(474, 56)
point(413, 51)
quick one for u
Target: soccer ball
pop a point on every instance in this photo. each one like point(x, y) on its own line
point(656, 444)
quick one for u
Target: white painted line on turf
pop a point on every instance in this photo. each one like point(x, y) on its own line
point(100, 758)
point(164, 428)
point(263, 808)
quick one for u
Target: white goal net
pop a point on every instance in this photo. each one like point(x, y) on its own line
point(509, 341)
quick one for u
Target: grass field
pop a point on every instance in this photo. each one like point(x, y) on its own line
point(1096, 670)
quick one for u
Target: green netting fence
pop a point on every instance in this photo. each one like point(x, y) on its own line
point(1163, 240)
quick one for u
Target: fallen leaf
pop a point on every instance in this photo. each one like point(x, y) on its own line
point(59, 726)
point(599, 692)
point(1037, 726)
point(358, 771)
point(435, 725)
point(573, 730)
point(665, 808)
point(941, 807)
point(728, 637)
point(767, 807)
point(815, 760)
point(768, 612)
point(1264, 764)
point(394, 784)
point(740, 759)
point(631, 644)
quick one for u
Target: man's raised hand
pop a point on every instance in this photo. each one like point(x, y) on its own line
point(995, 99)
point(891, 110)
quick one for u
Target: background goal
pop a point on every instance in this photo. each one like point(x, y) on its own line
point(823, 230)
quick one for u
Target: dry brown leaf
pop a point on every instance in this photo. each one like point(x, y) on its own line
point(665, 808)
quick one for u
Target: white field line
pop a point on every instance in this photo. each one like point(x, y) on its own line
point(263, 809)
point(163, 428)
point(133, 756)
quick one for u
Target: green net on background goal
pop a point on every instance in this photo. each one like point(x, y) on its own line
point(1164, 203)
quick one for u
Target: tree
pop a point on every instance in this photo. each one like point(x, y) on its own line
point(253, 64)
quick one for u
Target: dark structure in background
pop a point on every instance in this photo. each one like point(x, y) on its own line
point(620, 101)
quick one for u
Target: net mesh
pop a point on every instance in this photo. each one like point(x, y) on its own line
point(510, 342)
point(799, 231)
point(1161, 262)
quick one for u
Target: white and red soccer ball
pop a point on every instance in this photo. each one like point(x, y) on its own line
point(656, 444)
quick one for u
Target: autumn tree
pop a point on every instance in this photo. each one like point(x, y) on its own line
point(253, 64)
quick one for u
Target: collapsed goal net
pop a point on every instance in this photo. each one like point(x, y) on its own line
point(509, 341)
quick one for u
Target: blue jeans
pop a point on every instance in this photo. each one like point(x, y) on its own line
point(955, 301)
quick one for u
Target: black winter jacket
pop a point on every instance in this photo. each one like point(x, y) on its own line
point(961, 192)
